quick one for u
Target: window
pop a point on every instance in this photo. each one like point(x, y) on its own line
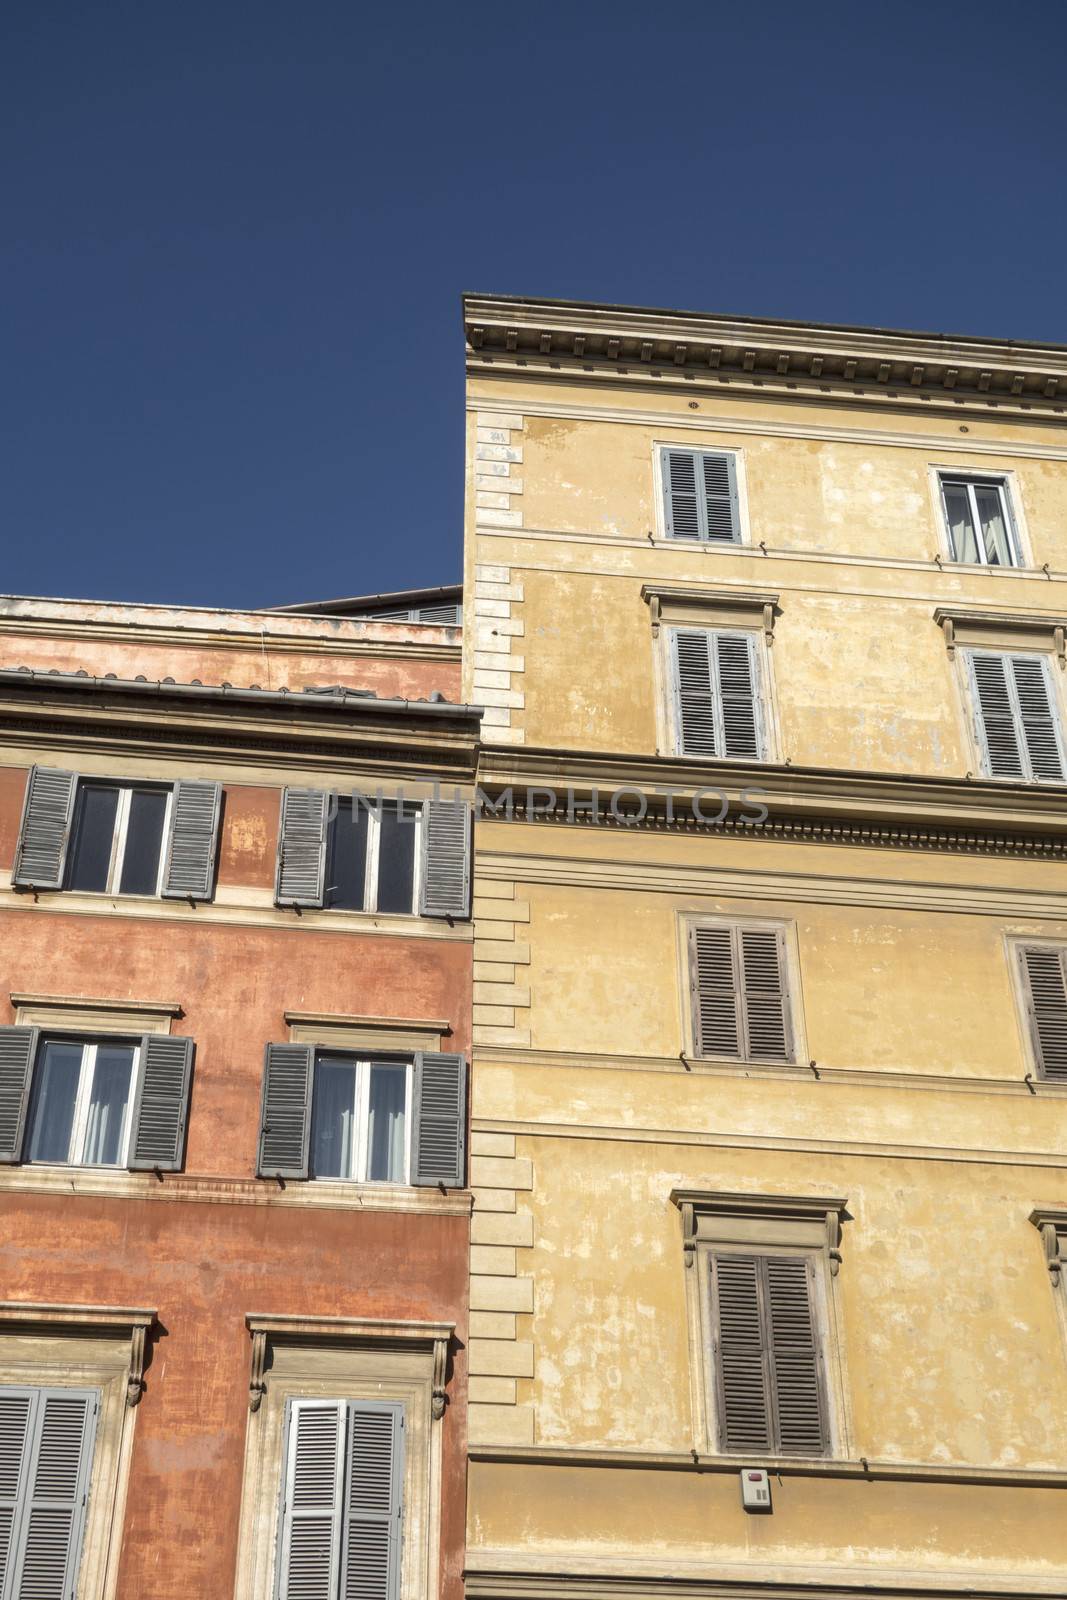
point(360, 1120)
point(372, 857)
point(84, 1102)
point(116, 842)
point(46, 1450)
point(1044, 977)
point(978, 519)
point(739, 989)
point(700, 499)
point(1017, 723)
point(716, 694)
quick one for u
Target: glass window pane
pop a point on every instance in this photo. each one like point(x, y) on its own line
point(91, 837)
point(387, 1130)
point(396, 858)
point(109, 1105)
point(55, 1091)
point(346, 857)
point(144, 840)
point(333, 1119)
point(960, 523)
point(994, 528)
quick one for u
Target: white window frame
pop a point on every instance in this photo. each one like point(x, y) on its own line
point(971, 479)
point(370, 865)
point(744, 537)
point(361, 1113)
point(80, 1122)
point(122, 823)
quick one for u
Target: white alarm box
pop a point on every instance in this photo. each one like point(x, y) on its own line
point(755, 1489)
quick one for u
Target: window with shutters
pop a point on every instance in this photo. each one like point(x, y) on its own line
point(716, 681)
point(46, 1452)
point(361, 1120)
point(1043, 974)
point(1016, 716)
point(739, 988)
point(978, 520)
point(372, 856)
point(700, 499)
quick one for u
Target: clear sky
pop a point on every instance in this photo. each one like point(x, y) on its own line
point(234, 238)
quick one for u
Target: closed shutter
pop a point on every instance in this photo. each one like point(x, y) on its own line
point(18, 1048)
point(370, 1560)
point(189, 873)
point(41, 852)
point(768, 1375)
point(301, 848)
point(700, 496)
point(718, 710)
point(445, 883)
point(286, 1111)
point(1046, 991)
point(309, 1558)
point(439, 1137)
point(740, 996)
point(43, 1489)
point(161, 1103)
point(1018, 728)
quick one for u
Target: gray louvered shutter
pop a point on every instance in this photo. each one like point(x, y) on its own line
point(189, 873)
point(17, 1412)
point(1040, 726)
point(445, 883)
point(700, 496)
point(1046, 994)
point(737, 672)
point(799, 1411)
point(301, 848)
point(765, 999)
point(41, 852)
point(18, 1049)
point(997, 732)
point(439, 1135)
point(46, 1536)
point(742, 1368)
point(715, 992)
point(681, 500)
point(370, 1558)
point(721, 511)
point(309, 1556)
point(285, 1125)
point(161, 1104)
point(694, 693)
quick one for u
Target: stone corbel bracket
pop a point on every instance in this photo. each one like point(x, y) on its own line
point(705, 1215)
point(360, 1332)
point(1052, 1226)
point(677, 603)
point(977, 625)
point(132, 1322)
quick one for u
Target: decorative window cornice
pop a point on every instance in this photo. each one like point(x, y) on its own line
point(710, 1216)
point(1052, 1226)
point(366, 1033)
point(357, 1332)
point(132, 1322)
point(670, 602)
point(967, 625)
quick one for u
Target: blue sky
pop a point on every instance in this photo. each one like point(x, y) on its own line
point(234, 237)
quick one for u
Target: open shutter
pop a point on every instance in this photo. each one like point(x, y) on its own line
point(681, 499)
point(714, 987)
point(1040, 730)
point(1046, 989)
point(445, 884)
point(161, 1104)
point(370, 1562)
point(310, 1548)
point(765, 998)
point(189, 873)
point(738, 685)
point(722, 520)
point(997, 731)
point(741, 1359)
point(439, 1136)
point(18, 1047)
point(17, 1411)
point(286, 1115)
point(796, 1379)
point(301, 848)
point(47, 1544)
point(694, 693)
point(41, 852)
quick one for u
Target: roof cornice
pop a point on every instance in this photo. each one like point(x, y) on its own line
point(804, 361)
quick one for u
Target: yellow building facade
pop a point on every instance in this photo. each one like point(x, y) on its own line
point(769, 1081)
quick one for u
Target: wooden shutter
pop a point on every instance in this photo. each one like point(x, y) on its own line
point(301, 848)
point(718, 709)
point(46, 1512)
point(285, 1124)
point(737, 673)
point(309, 1557)
point(1018, 728)
point(445, 881)
point(700, 496)
point(370, 1559)
point(189, 873)
point(694, 693)
point(439, 1134)
point(40, 855)
point(1040, 728)
point(1043, 971)
point(18, 1049)
point(768, 1375)
point(161, 1104)
point(740, 996)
